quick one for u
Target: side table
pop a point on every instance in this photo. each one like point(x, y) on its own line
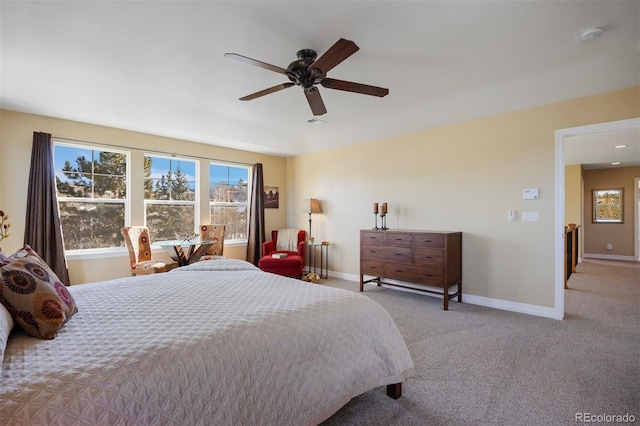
point(321, 264)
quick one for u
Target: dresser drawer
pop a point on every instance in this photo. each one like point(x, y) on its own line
point(372, 251)
point(414, 274)
point(428, 240)
point(399, 239)
point(372, 267)
point(432, 257)
point(372, 237)
point(397, 254)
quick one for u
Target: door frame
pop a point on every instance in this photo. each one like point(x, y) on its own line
point(561, 135)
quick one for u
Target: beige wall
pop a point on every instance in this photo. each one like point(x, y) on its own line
point(573, 199)
point(16, 135)
point(463, 177)
point(573, 194)
point(620, 235)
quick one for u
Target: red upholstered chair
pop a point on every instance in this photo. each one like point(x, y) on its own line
point(290, 266)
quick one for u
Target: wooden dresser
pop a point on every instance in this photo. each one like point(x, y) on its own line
point(430, 259)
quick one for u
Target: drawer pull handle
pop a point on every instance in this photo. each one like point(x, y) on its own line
point(398, 270)
point(428, 275)
point(372, 251)
point(427, 241)
point(428, 257)
point(398, 254)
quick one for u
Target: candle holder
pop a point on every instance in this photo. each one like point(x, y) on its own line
point(376, 218)
point(384, 222)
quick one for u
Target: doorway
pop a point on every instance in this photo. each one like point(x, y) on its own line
point(561, 136)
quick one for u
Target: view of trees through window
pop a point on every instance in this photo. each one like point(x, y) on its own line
point(170, 196)
point(92, 192)
point(229, 196)
point(93, 198)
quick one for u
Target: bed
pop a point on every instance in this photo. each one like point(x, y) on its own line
point(216, 342)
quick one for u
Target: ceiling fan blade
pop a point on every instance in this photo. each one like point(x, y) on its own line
point(335, 55)
point(267, 91)
point(348, 86)
point(255, 62)
point(315, 101)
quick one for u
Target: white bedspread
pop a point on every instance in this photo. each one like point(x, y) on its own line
point(234, 347)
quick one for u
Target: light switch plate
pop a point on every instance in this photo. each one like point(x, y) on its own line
point(530, 216)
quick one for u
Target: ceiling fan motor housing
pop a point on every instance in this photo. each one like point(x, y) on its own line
point(298, 71)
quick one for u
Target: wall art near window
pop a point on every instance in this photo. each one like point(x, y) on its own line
point(608, 205)
point(271, 197)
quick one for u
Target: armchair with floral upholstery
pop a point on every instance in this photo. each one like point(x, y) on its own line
point(213, 233)
point(138, 243)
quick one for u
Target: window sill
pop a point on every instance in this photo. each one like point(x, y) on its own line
point(123, 252)
point(235, 243)
point(96, 253)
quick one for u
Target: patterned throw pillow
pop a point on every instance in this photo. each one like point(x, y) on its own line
point(34, 295)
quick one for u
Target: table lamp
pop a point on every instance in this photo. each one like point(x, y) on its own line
point(311, 205)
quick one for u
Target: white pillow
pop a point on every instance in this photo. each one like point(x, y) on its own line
point(6, 324)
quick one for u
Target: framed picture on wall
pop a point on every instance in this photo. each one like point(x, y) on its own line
point(608, 205)
point(271, 197)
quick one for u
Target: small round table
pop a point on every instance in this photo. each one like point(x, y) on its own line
point(312, 262)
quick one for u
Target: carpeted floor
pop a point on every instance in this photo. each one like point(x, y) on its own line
point(481, 366)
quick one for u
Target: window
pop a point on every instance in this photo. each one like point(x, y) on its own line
point(170, 189)
point(608, 205)
point(228, 199)
point(92, 195)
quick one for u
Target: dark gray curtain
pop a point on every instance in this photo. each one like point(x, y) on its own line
point(256, 215)
point(42, 225)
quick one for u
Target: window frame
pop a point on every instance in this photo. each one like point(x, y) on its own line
point(134, 154)
point(73, 254)
point(195, 202)
point(597, 195)
point(249, 169)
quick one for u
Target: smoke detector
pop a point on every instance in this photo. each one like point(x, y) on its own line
point(590, 33)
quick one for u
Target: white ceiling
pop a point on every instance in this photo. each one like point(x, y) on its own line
point(158, 67)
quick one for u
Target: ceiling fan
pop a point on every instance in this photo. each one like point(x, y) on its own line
point(308, 71)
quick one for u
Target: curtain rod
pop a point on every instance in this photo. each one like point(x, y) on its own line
point(172, 154)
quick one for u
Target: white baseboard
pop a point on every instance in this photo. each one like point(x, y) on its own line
point(504, 305)
point(607, 256)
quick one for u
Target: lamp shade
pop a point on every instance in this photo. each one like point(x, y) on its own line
point(312, 205)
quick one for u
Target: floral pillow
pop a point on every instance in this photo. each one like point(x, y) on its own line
point(34, 295)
